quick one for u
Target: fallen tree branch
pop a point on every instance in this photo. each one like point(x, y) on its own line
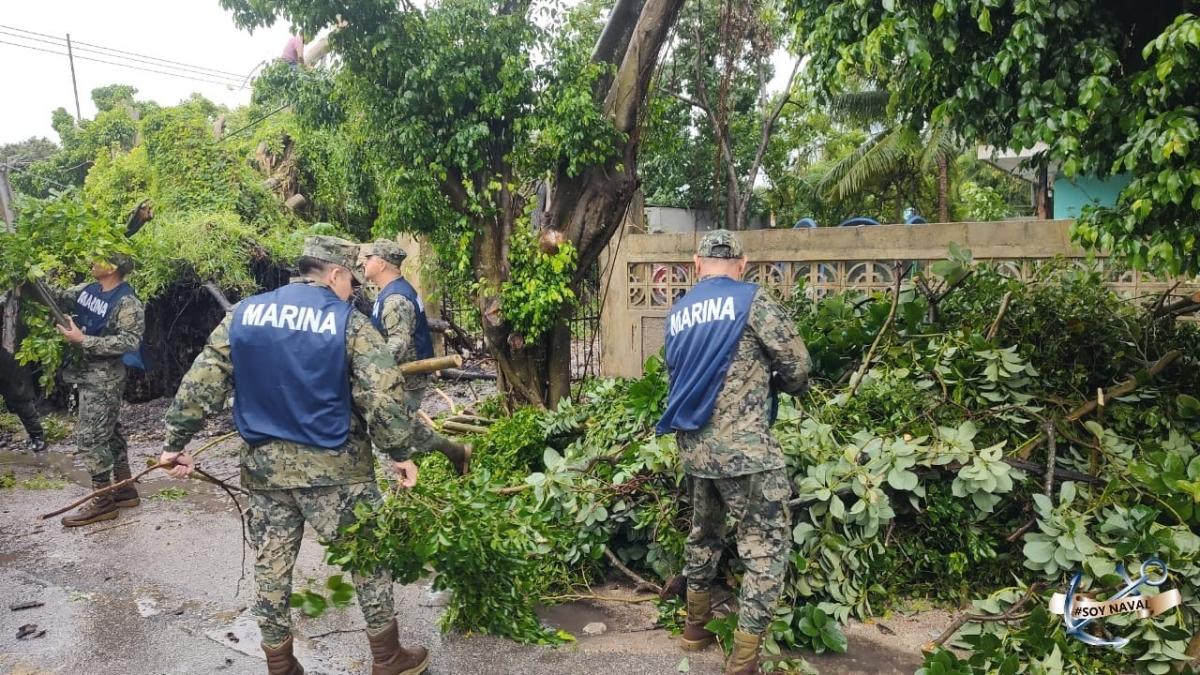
point(1011, 614)
point(134, 479)
point(449, 401)
point(462, 428)
point(1012, 538)
point(883, 330)
point(429, 365)
point(1128, 386)
point(471, 419)
point(600, 598)
point(105, 490)
point(1051, 456)
point(1060, 475)
point(633, 576)
point(584, 468)
point(1162, 298)
point(995, 327)
point(457, 374)
point(218, 296)
point(212, 443)
point(111, 527)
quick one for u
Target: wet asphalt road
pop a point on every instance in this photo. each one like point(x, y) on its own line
point(147, 594)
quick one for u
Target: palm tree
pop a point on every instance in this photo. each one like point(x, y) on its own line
point(891, 150)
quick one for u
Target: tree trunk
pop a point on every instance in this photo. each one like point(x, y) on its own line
point(943, 195)
point(586, 208)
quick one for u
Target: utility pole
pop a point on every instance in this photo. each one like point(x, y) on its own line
point(11, 307)
point(71, 58)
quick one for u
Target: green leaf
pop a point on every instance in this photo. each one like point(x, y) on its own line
point(834, 639)
point(1039, 551)
point(985, 20)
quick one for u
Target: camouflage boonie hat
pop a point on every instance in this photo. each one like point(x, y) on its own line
point(720, 244)
point(333, 250)
point(386, 249)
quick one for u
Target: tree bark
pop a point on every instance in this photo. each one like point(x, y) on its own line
point(587, 208)
point(943, 195)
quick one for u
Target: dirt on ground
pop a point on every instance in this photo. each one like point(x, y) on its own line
point(165, 588)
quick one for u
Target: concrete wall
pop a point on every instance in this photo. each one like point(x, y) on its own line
point(651, 271)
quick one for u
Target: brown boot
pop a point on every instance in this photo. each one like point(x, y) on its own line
point(744, 659)
point(392, 659)
point(98, 509)
point(459, 455)
point(281, 661)
point(699, 613)
point(126, 497)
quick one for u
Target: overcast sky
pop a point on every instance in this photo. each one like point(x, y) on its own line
point(197, 33)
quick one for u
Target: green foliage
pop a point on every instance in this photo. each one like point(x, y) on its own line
point(54, 239)
point(1109, 88)
point(314, 602)
point(981, 202)
point(170, 494)
point(538, 289)
point(38, 481)
point(808, 627)
point(715, 76)
point(108, 97)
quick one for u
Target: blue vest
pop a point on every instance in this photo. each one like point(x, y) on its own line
point(703, 330)
point(94, 307)
point(291, 378)
point(422, 340)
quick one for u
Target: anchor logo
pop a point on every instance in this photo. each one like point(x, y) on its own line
point(1079, 611)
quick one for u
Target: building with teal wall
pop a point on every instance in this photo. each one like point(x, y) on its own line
point(1072, 194)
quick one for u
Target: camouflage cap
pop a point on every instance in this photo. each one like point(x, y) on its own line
point(720, 244)
point(386, 249)
point(123, 262)
point(334, 250)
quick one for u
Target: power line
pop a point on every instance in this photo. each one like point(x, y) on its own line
point(126, 65)
point(128, 53)
point(255, 122)
point(60, 42)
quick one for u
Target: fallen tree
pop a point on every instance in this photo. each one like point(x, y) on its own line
point(910, 488)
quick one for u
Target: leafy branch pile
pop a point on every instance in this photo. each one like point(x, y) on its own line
point(925, 479)
point(218, 202)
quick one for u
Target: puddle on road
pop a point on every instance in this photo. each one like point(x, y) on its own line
point(573, 616)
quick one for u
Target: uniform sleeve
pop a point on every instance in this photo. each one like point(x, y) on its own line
point(377, 387)
point(203, 390)
point(399, 317)
point(128, 323)
point(65, 297)
point(781, 341)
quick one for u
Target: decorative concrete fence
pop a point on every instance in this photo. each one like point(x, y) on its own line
point(645, 273)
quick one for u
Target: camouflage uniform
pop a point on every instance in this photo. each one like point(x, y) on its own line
point(95, 367)
point(17, 393)
point(399, 318)
point(290, 483)
point(736, 467)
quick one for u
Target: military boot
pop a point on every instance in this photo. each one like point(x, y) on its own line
point(699, 613)
point(126, 497)
point(459, 455)
point(98, 509)
point(744, 658)
point(281, 661)
point(392, 659)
